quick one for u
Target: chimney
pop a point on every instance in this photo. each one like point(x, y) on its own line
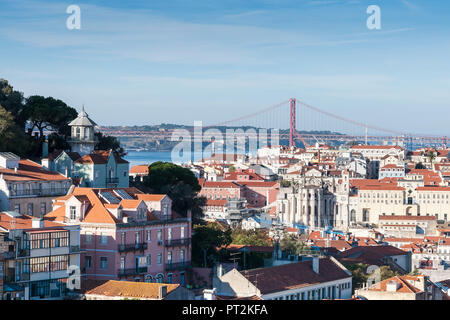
point(37, 223)
point(315, 264)
point(219, 271)
point(209, 294)
point(392, 286)
point(44, 149)
point(162, 292)
point(189, 215)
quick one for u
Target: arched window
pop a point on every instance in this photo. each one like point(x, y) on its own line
point(159, 278)
point(149, 278)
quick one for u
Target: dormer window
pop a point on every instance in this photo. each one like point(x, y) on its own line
point(73, 213)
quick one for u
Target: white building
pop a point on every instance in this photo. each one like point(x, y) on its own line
point(316, 279)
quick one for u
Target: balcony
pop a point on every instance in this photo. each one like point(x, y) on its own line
point(75, 249)
point(112, 180)
point(178, 242)
point(178, 265)
point(22, 253)
point(11, 278)
point(132, 247)
point(38, 192)
point(131, 271)
point(9, 255)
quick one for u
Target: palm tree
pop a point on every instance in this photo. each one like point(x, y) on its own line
point(431, 156)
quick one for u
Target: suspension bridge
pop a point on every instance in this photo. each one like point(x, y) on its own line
point(302, 124)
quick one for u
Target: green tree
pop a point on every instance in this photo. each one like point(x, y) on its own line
point(13, 102)
point(360, 275)
point(12, 138)
point(292, 245)
point(104, 142)
point(431, 156)
point(258, 237)
point(205, 240)
point(180, 184)
point(49, 113)
point(420, 166)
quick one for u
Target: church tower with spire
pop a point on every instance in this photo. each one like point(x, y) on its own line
point(82, 134)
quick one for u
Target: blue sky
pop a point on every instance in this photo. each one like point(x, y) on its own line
point(174, 61)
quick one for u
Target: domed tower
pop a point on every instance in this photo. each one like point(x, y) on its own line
point(82, 134)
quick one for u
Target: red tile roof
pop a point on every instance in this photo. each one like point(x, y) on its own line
point(294, 275)
point(31, 171)
point(22, 222)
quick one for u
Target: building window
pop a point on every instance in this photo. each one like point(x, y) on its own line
point(87, 262)
point(182, 256)
point(159, 235)
point(137, 237)
point(88, 237)
point(159, 258)
point(169, 278)
point(43, 208)
point(149, 235)
point(104, 239)
point(169, 257)
point(30, 209)
point(17, 208)
point(149, 259)
point(103, 262)
point(159, 278)
point(73, 213)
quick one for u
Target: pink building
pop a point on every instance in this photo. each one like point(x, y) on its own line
point(217, 190)
point(127, 235)
point(257, 193)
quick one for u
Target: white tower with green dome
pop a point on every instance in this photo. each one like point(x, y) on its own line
point(82, 134)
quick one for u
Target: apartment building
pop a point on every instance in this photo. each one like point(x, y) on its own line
point(408, 226)
point(27, 187)
point(402, 288)
point(40, 254)
point(127, 235)
point(316, 279)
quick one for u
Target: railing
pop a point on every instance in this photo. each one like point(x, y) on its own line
point(38, 192)
point(11, 278)
point(23, 253)
point(132, 247)
point(9, 255)
point(131, 271)
point(178, 265)
point(75, 249)
point(178, 242)
point(79, 139)
point(112, 180)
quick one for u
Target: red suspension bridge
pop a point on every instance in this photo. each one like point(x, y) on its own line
point(306, 124)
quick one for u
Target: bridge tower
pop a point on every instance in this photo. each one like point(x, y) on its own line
point(292, 123)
